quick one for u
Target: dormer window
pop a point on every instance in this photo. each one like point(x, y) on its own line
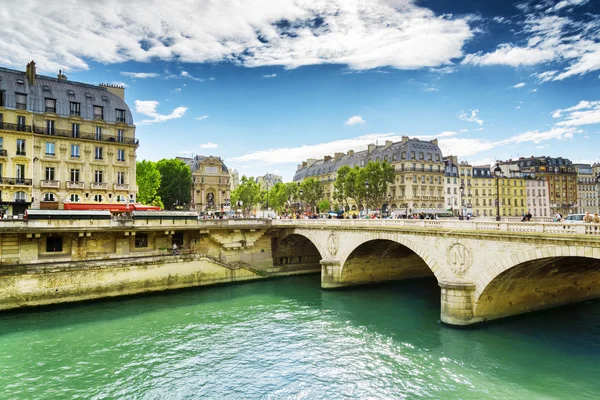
point(20, 81)
point(120, 115)
point(105, 98)
point(88, 95)
point(71, 92)
point(46, 88)
point(98, 112)
point(50, 105)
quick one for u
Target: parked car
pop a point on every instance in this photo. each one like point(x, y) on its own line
point(574, 218)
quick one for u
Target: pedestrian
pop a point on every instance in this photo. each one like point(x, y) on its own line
point(596, 219)
point(174, 249)
point(558, 217)
point(588, 218)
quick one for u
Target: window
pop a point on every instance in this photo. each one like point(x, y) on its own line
point(75, 130)
point(50, 105)
point(49, 127)
point(54, 244)
point(75, 108)
point(99, 112)
point(141, 240)
point(74, 175)
point(21, 147)
point(98, 176)
point(412, 155)
point(2, 99)
point(120, 135)
point(50, 149)
point(75, 151)
point(120, 155)
point(98, 133)
point(49, 197)
point(74, 197)
point(98, 198)
point(120, 198)
point(21, 123)
point(49, 173)
point(98, 153)
point(421, 155)
point(120, 178)
point(120, 115)
point(21, 101)
point(1, 143)
point(20, 172)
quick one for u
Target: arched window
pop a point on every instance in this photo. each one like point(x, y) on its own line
point(49, 197)
point(120, 198)
point(20, 196)
point(74, 197)
point(98, 198)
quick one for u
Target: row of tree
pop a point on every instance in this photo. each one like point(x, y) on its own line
point(166, 183)
point(366, 186)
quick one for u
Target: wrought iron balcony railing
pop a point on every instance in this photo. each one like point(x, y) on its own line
point(15, 181)
point(15, 127)
point(83, 135)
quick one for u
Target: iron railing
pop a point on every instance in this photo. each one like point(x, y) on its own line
point(15, 127)
point(83, 135)
point(15, 181)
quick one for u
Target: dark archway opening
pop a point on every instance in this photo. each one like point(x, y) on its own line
point(539, 284)
point(384, 260)
point(296, 254)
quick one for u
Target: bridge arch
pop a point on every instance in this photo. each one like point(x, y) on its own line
point(537, 279)
point(297, 250)
point(385, 257)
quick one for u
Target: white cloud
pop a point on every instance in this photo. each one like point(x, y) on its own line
point(464, 130)
point(148, 108)
point(140, 75)
point(431, 89)
point(209, 145)
point(519, 85)
point(185, 74)
point(470, 118)
point(176, 90)
point(517, 107)
point(270, 76)
point(541, 136)
point(584, 113)
point(356, 119)
point(534, 90)
point(550, 38)
point(290, 33)
point(201, 118)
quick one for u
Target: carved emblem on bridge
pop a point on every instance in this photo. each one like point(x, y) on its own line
point(459, 258)
point(333, 242)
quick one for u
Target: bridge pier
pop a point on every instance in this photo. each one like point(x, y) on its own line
point(331, 274)
point(457, 305)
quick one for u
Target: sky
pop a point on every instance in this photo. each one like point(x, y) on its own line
point(266, 84)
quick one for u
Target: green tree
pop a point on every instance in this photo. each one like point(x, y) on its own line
point(312, 192)
point(148, 180)
point(324, 206)
point(248, 191)
point(176, 182)
point(340, 189)
point(379, 176)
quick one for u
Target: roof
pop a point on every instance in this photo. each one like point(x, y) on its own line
point(194, 163)
point(64, 92)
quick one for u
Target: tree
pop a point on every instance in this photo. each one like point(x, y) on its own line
point(148, 180)
point(248, 191)
point(324, 206)
point(379, 176)
point(340, 190)
point(312, 192)
point(176, 182)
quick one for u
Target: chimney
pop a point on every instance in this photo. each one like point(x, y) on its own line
point(350, 152)
point(434, 141)
point(337, 156)
point(115, 89)
point(404, 139)
point(310, 161)
point(30, 72)
point(304, 164)
point(371, 148)
point(61, 76)
point(388, 143)
point(326, 158)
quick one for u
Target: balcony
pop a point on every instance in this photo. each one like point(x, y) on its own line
point(15, 181)
point(50, 184)
point(74, 185)
point(38, 130)
point(15, 127)
point(99, 186)
point(121, 186)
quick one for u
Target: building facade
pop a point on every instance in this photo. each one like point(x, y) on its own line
point(268, 180)
point(63, 141)
point(210, 184)
point(587, 191)
point(419, 173)
point(451, 185)
point(538, 201)
point(234, 180)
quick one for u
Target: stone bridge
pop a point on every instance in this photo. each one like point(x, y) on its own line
point(486, 270)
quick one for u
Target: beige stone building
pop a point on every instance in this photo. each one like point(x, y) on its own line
point(587, 192)
point(210, 183)
point(268, 180)
point(63, 141)
point(419, 181)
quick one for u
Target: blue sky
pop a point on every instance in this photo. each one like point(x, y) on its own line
point(266, 84)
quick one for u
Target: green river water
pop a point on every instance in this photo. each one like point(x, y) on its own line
point(288, 339)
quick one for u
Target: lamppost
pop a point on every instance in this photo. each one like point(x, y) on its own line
point(367, 197)
point(462, 192)
point(498, 174)
point(387, 210)
point(301, 194)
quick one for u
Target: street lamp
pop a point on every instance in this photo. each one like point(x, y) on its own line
point(301, 195)
point(497, 174)
point(240, 204)
point(462, 192)
point(388, 205)
point(367, 197)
